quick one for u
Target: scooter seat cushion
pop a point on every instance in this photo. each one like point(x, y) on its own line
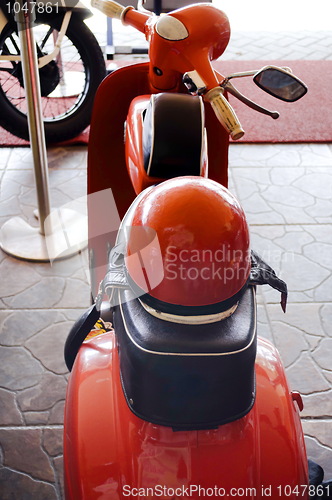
point(187, 376)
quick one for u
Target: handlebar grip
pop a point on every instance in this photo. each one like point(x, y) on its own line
point(110, 8)
point(224, 112)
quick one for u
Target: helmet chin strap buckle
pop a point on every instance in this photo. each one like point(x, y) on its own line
point(262, 274)
point(116, 275)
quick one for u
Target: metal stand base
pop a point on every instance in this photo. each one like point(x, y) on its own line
point(66, 235)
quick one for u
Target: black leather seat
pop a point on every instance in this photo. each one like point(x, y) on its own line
point(187, 376)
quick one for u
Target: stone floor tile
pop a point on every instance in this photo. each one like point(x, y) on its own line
point(19, 445)
point(18, 184)
point(326, 41)
point(18, 326)
point(307, 278)
point(263, 242)
point(317, 405)
point(317, 54)
point(289, 342)
point(324, 291)
point(67, 158)
point(322, 354)
point(73, 267)
point(280, 155)
point(263, 323)
point(20, 158)
point(305, 320)
point(253, 155)
point(44, 286)
point(328, 375)
point(58, 467)
point(43, 396)
point(326, 319)
point(318, 179)
point(76, 294)
point(10, 268)
point(57, 157)
point(51, 290)
point(300, 338)
point(4, 157)
point(56, 414)
point(315, 155)
point(9, 412)
point(36, 417)
point(47, 346)
point(52, 441)
point(249, 45)
point(319, 443)
point(272, 195)
point(18, 368)
point(304, 376)
point(24, 487)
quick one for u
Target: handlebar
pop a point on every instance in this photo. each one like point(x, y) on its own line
point(224, 112)
point(180, 54)
point(110, 8)
point(183, 44)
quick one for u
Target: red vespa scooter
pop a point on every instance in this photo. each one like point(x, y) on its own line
point(181, 399)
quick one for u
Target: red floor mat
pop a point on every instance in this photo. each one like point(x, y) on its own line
point(308, 120)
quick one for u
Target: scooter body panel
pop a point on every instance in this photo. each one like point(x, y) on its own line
point(106, 155)
point(283, 459)
point(112, 454)
point(134, 145)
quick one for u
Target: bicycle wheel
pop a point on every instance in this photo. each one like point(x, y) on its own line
point(68, 83)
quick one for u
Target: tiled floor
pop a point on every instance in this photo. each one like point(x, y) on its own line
point(38, 305)
point(286, 192)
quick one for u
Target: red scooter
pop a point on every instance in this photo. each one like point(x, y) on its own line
point(180, 399)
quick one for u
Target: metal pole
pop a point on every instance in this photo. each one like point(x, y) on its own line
point(25, 20)
point(63, 232)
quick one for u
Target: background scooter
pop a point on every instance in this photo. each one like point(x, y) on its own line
point(71, 66)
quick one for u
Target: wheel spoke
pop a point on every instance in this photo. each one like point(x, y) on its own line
point(46, 37)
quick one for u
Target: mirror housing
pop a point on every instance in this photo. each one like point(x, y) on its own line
point(280, 83)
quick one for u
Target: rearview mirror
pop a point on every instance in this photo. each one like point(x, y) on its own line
point(280, 83)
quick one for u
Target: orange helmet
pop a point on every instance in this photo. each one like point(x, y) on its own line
point(200, 261)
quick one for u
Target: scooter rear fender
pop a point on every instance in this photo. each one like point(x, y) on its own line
point(111, 453)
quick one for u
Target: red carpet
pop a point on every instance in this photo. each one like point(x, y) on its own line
point(9, 140)
point(308, 120)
